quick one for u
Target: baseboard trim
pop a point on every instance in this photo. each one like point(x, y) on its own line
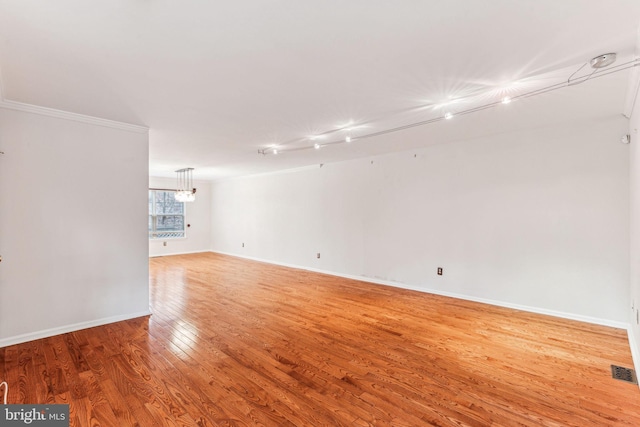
point(19, 339)
point(179, 253)
point(560, 314)
point(633, 344)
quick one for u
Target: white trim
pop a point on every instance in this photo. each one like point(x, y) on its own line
point(179, 253)
point(560, 314)
point(635, 354)
point(51, 112)
point(633, 89)
point(173, 239)
point(19, 339)
point(270, 173)
point(1, 88)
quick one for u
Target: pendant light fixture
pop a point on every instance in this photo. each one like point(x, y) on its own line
point(184, 189)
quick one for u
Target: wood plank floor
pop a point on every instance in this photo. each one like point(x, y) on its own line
point(234, 342)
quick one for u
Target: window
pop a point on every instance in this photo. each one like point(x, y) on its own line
point(166, 215)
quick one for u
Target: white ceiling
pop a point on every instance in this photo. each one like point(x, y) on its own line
point(217, 81)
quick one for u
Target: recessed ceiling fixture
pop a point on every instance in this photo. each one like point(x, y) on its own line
point(185, 191)
point(599, 64)
point(604, 60)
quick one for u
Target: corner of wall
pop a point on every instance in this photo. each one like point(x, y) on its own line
point(1, 88)
point(94, 291)
point(632, 111)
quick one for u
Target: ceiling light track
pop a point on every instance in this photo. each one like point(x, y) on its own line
point(599, 71)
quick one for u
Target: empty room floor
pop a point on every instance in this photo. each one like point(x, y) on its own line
point(237, 342)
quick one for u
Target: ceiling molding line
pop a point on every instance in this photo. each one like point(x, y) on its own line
point(269, 173)
point(52, 112)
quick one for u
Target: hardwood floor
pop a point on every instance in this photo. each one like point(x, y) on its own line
point(235, 342)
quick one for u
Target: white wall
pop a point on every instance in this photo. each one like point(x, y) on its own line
point(198, 215)
point(634, 314)
point(536, 219)
point(73, 215)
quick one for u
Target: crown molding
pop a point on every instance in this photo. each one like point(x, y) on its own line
point(52, 112)
point(66, 115)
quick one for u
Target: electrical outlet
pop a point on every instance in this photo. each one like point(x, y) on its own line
point(439, 271)
point(318, 255)
point(164, 243)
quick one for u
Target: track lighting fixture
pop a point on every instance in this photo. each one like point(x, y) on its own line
point(599, 65)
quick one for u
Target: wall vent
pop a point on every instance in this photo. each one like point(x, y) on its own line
point(624, 374)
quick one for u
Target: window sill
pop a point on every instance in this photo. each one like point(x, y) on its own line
point(165, 239)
